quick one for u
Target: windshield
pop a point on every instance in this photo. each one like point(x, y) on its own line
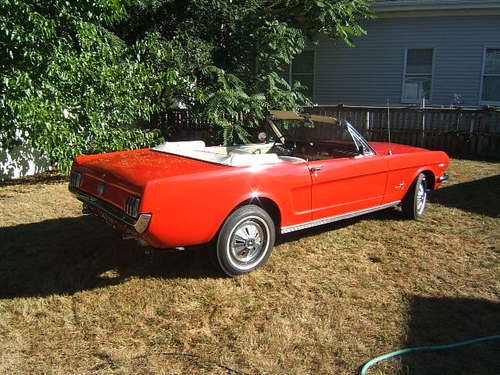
point(314, 137)
point(297, 130)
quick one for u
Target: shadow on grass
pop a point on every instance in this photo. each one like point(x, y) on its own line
point(478, 196)
point(64, 256)
point(45, 178)
point(447, 320)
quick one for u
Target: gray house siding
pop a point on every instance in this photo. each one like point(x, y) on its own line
point(372, 72)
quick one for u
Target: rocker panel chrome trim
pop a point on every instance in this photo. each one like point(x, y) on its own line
point(332, 219)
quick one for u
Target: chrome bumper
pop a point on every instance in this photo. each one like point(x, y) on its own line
point(139, 225)
point(443, 178)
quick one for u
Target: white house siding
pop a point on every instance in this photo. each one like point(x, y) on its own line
point(23, 161)
point(372, 72)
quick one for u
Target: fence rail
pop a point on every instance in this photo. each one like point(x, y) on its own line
point(458, 131)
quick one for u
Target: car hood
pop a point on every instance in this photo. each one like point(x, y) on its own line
point(382, 148)
point(138, 167)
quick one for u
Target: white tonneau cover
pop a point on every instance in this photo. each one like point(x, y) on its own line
point(235, 156)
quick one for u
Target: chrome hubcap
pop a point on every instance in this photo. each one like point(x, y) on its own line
point(247, 242)
point(421, 198)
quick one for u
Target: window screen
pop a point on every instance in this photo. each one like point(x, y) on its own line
point(418, 75)
point(491, 76)
point(302, 70)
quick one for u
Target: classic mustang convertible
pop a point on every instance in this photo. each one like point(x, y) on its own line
point(314, 170)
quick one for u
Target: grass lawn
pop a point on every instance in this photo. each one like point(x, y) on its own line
point(75, 298)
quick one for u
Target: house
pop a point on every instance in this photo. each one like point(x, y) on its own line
point(446, 51)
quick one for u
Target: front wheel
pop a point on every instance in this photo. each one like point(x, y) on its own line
point(245, 240)
point(415, 199)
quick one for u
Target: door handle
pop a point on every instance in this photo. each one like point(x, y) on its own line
point(315, 168)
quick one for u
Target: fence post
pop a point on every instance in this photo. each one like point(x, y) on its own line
point(367, 126)
point(423, 123)
point(485, 126)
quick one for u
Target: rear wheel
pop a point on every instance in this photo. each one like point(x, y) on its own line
point(415, 199)
point(245, 240)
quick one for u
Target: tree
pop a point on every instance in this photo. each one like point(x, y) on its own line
point(79, 76)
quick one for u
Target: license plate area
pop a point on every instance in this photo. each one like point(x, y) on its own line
point(109, 220)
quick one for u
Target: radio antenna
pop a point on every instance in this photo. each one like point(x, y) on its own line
point(389, 127)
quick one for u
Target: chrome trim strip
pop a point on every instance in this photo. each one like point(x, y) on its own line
point(331, 219)
point(140, 225)
point(358, 138)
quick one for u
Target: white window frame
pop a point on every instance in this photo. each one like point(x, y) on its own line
point(481, 85)
point(407, 101)
point(289, 71)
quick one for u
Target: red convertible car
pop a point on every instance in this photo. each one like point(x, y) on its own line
point(314, 170)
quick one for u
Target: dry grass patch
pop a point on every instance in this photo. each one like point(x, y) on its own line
point(75, 298)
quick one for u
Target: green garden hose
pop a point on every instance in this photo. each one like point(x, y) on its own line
point(384, 357)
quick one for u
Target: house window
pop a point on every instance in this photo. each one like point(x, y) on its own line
point(302, 70)
point(491, 76)
point(418, 75)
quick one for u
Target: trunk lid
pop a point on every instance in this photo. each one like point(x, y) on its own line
point(114, 177)
point(138, 167)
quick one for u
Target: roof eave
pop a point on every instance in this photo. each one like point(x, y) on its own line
point(408, 6)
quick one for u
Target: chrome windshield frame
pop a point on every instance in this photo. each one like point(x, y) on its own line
point(360, 142)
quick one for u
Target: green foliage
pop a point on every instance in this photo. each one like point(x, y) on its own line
point(69, 85)
point(80, 76)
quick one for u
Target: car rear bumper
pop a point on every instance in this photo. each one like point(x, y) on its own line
point(112, 214)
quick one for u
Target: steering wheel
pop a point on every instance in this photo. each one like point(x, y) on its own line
point(286, 149)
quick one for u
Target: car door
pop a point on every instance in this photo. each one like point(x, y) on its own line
point(345, 185)
point(342, 185)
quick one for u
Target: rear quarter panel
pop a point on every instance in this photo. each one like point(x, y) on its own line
point(190, 209)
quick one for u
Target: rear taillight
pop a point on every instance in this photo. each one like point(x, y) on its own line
point(132, 206)
point(75, 179)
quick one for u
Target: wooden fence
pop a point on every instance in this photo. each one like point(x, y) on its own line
point(460, 132)
point(471, 132)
